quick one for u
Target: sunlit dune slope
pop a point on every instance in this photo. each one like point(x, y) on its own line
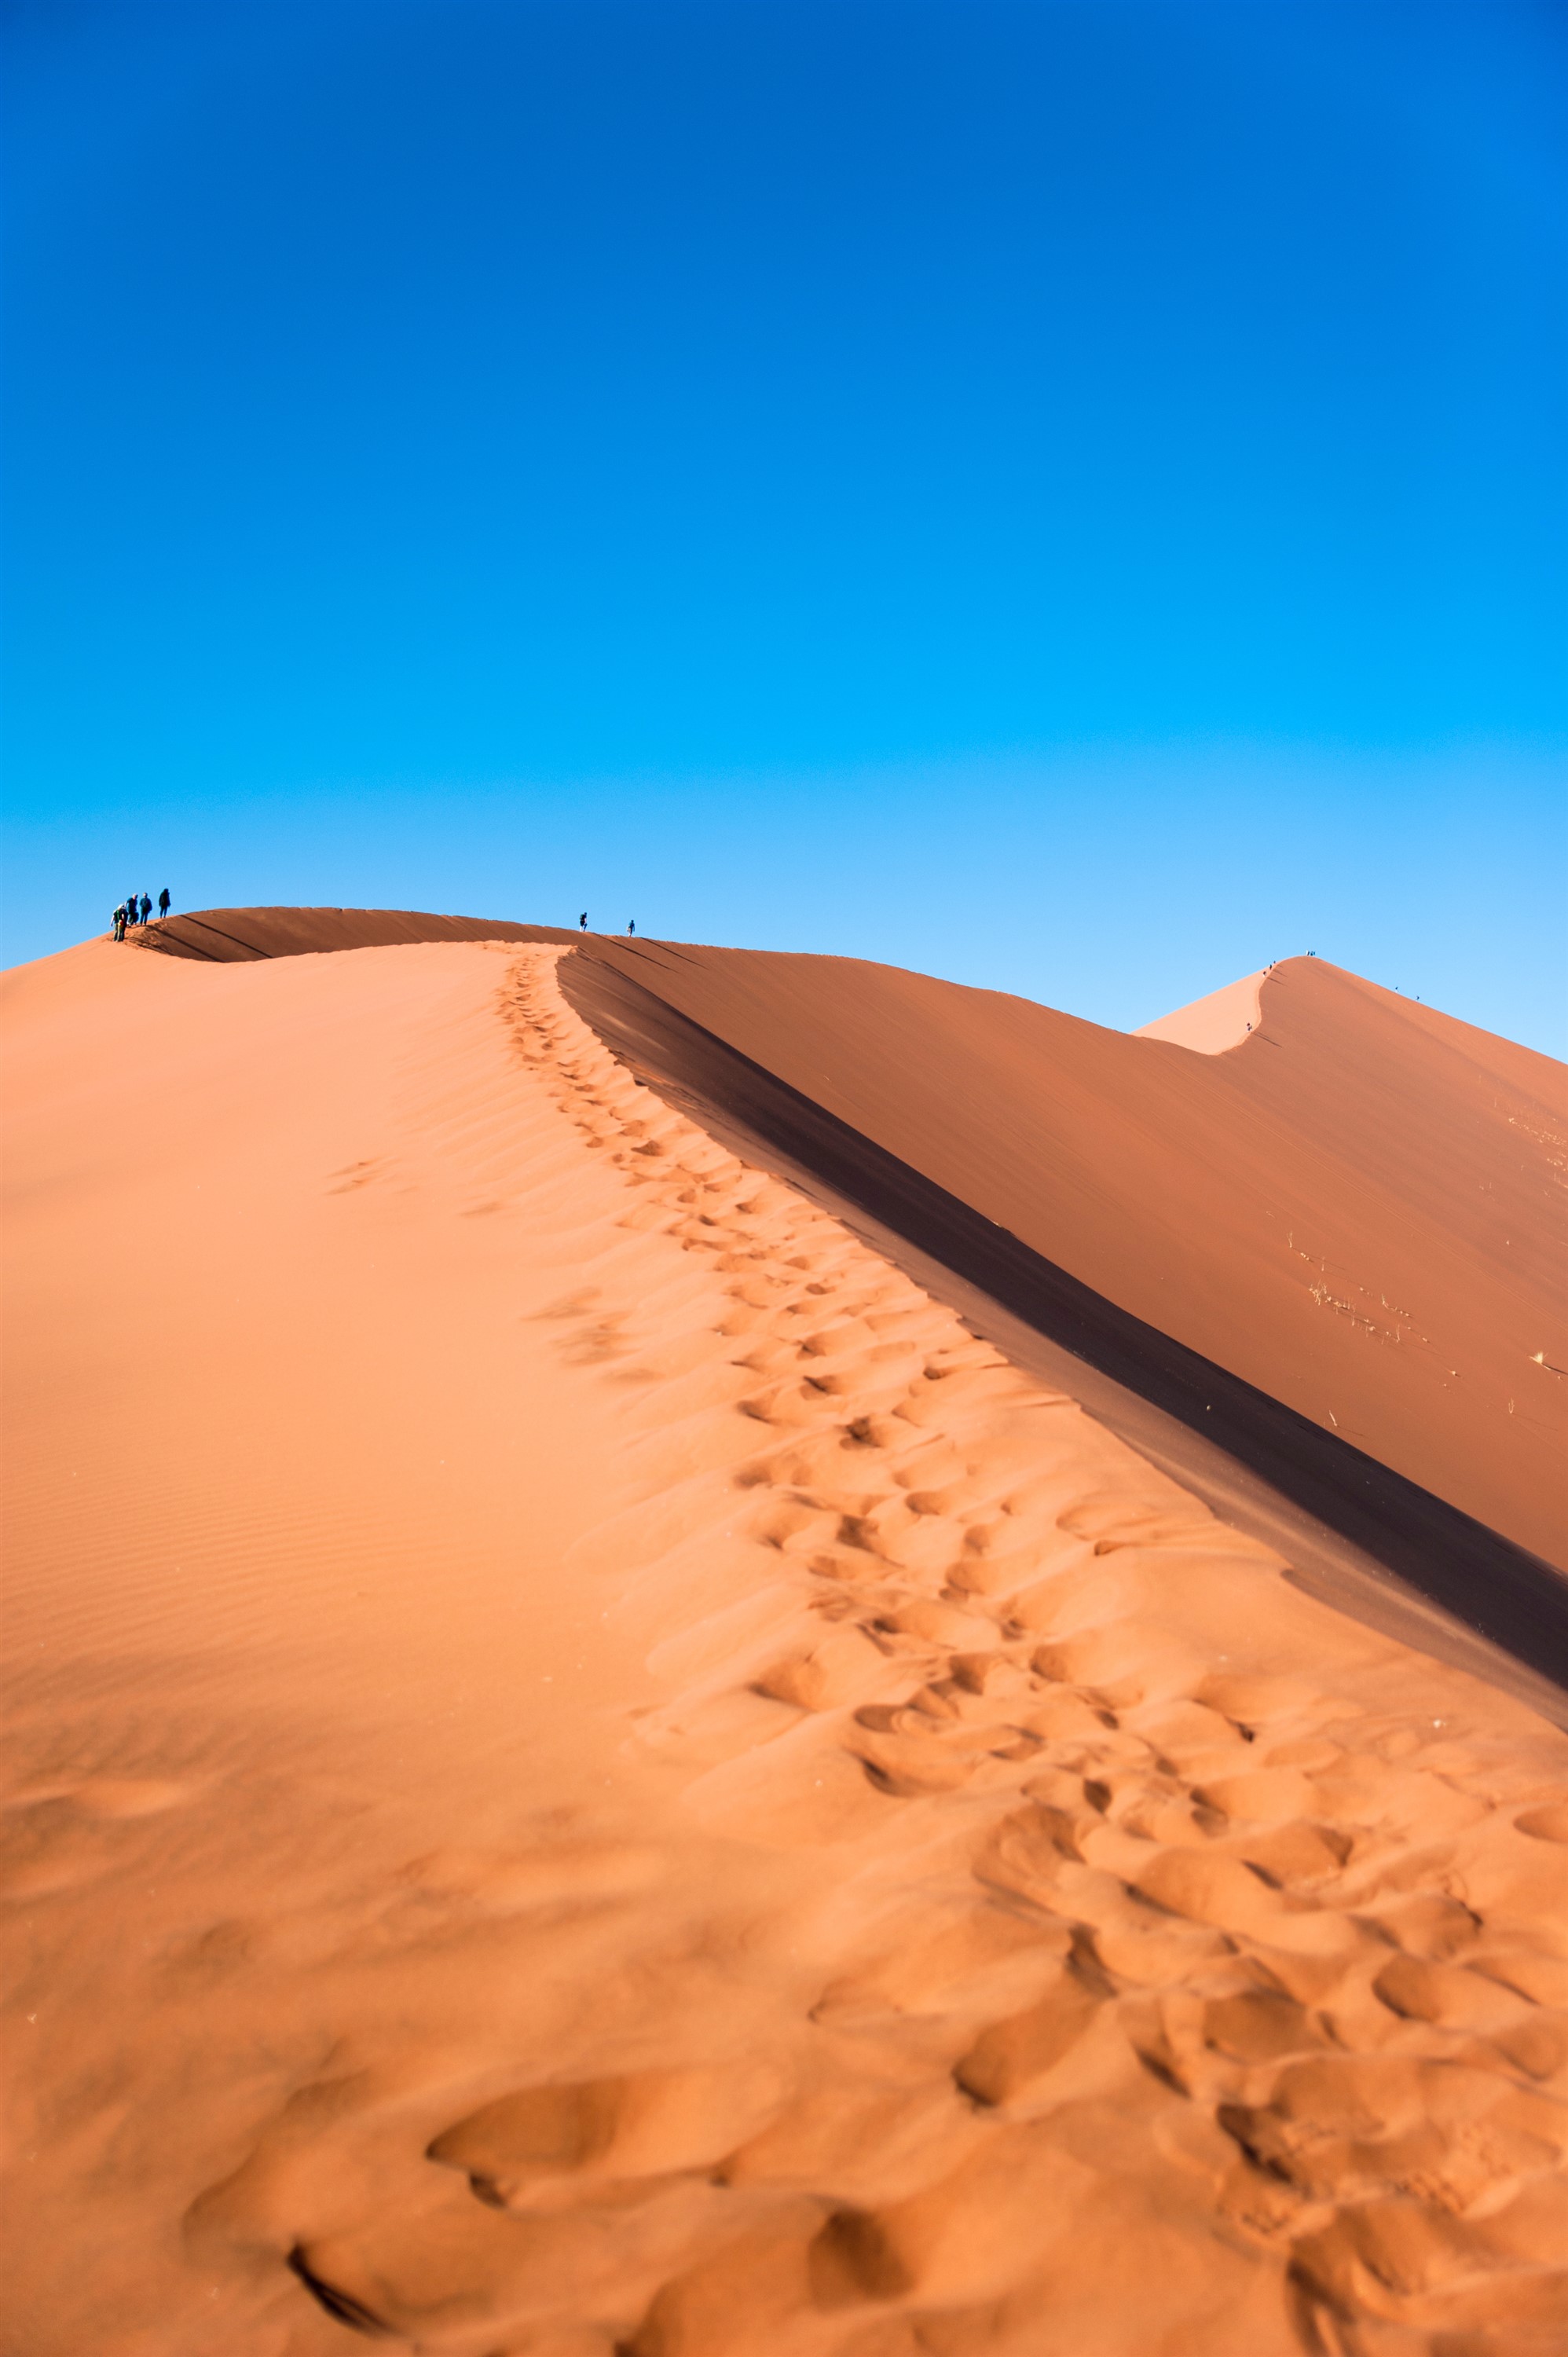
point(1359, 1209)
point(588, 1773)
point(1212, 1025)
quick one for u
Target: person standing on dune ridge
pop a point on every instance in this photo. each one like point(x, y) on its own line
point(147, 906)
point(583, 923)
point(163, 902)
point(130, 908)
point(118, 921)
point(631, 924)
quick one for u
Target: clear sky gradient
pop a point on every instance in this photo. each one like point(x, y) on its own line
point(1069, 497)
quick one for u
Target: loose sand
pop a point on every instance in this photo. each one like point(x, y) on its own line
point(1210, 1026)
point(589, 1771)
point(1359, 1210)
point(1356, 1208)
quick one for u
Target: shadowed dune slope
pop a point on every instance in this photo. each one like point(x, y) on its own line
point(1353, 1532)
point(1357, 1212)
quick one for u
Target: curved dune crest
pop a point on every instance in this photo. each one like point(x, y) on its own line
point(1358, 1211)
point(682, 1802)
point(1212, 1025)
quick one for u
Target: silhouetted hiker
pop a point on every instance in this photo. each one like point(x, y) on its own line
point(147, 906)
point(130, 908)
point(583, 923)
point(120, 923)
point(163, 902)
point(631, 924)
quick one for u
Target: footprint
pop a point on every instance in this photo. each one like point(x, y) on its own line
point(354, 1175)
point(650, 2122)
point(1010, 2056)
point(1260, 2026)
point(1418, 1991)
point(1210, 1888)
point(1547, 1824)
point(845, 1666)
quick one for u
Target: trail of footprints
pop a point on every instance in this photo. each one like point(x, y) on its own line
point(1141, 1998)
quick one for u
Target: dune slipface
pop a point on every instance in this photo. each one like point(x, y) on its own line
point(591, 1770)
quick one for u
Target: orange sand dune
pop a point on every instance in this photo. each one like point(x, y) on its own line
point(589, 1772)
point(1358, 1211)
point(1213, 1025)
point(234, 936)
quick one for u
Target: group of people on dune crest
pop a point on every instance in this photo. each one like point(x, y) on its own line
point(132, 911)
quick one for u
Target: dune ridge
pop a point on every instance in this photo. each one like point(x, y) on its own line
point(1358, 1534)
point(1214, 1024)
point(961, 1864)
point(1358, 1211)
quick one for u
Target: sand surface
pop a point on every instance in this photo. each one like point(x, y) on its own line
point(1359, 1210)
point(1211, 1025)
point(588, 1771)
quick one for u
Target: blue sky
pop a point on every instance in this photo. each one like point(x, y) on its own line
point(1070, 497)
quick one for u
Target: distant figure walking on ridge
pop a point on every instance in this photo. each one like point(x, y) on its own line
point(163, 902)
point(147, 906)
point(631, 924)
point(120, 923)
point(583, 923)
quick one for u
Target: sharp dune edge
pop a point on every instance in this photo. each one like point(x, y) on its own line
point(588, 1771)
point(1357, 1209)
point(1212, 1025)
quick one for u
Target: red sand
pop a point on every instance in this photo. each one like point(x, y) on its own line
point(1214, 1025)
point(587, 1771)
point(1359, 1209)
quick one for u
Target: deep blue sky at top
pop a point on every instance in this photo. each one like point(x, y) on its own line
point(1070, 496)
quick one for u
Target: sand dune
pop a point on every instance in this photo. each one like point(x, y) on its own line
point(589, 1771)
point(1212, 1025)
point(1358, 1211)
point(238, 936)
point(1353, 1530)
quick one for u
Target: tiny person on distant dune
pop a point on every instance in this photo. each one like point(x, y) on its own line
point(583, 923)
point(118, 921)
point(130, 908)
point(163, 902)
point(631, 924)
point(147, 906)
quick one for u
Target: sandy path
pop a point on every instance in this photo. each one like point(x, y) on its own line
point(791, 1838)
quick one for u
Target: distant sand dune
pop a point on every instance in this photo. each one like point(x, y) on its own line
point(1211, 1026)
point(592, 1772)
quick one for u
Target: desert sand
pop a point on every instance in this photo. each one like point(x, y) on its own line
point(1356, 1208)
point(590, 1769)
point(1359, 1209)
point(1212, 1025)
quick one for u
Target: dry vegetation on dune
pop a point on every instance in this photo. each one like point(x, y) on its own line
point(635, 1787)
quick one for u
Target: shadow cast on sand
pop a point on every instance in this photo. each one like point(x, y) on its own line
point(1510, 1597)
